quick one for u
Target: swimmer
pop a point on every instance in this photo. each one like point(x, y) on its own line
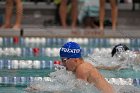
point(118, 49)
point(70, 54)
point(8, 14)
point(116, 52)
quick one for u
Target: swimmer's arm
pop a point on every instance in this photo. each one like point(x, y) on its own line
point(99, 81)
point(108, 67)
point(91, 75)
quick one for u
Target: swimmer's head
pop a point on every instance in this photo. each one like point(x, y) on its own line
point(70, 50)
point(118, 49)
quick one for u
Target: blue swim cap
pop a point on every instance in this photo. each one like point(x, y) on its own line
point(70, 50)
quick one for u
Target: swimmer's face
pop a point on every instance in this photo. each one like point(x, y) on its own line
point(64, 60)
point(69, 63)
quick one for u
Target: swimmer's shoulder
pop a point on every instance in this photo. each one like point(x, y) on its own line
point(85, 66)
point(83, 70)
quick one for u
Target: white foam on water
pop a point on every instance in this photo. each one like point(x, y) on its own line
point(62, 81)
point(126, 89)
point(127, 59)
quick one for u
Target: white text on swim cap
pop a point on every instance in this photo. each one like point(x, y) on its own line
point(70, 50)
point(120, 49)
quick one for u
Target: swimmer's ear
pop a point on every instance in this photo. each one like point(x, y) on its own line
point(77, 60)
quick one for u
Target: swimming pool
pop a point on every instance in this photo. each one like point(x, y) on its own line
point(26, 59)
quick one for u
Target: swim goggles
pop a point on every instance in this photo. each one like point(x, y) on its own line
point(64, 60)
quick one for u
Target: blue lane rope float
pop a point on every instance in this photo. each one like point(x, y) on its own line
point(25, 80)
point(26, 64)
point(43, 41)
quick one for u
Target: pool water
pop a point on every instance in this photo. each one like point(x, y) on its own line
point(41, 52)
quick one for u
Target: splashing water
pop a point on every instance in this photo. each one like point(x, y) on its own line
point(62, 81)
point(126, 59)
point(126, 89)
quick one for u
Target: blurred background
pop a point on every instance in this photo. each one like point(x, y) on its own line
point(30, 53)
point(45, 12)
